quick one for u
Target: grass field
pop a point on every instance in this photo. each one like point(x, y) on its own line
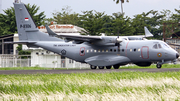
point(122, 86)
point(122, 67)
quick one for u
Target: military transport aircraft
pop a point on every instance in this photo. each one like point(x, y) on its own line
point(98, 51)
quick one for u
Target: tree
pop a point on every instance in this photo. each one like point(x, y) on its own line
point(8, 22)
point(92, 22)
point(66, 17)
point(122, 1)
point(107, 26)
point(48, 21)
point(22, 52)
point(152, 20)
point(121, 25)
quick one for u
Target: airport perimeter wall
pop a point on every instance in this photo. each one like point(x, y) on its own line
point(7, 60)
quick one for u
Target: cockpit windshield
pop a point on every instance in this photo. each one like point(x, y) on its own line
point(157, 46)
point(165, 45)
point(160, 45)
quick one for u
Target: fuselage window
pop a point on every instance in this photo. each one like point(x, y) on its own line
point(114, 50)
point(122, 50)
point(103, 50)
point(135, 49)
point(99, 50)
point(130, 50)
point(94, 51)
point(87, 51)
point(110, 50)
point(106, 50)
point(91, 50)
point(139, 49)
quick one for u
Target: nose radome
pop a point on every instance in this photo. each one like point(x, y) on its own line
point(177, 55)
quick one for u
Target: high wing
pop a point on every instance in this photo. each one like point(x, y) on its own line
point(106, 60)
point(83, 38)
point(74, 37)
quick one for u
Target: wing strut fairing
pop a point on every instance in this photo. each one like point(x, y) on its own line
point(106, 60)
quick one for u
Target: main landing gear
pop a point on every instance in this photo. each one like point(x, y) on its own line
point(93, 67)
point(116, 66)
point(159, 66)
point(108, 67)
point(102, 67)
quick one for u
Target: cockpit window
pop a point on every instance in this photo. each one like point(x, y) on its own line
point(155, 46)
point(159, 45)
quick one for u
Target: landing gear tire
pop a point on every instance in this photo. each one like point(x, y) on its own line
point(93, 67)
point(108, 67)
point(101, 67)
point(158, 66)
point(116, 66)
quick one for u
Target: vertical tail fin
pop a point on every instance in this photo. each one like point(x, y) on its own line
point(27, 29)
point(24, 21)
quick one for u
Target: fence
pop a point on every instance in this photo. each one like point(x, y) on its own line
point(7, 60)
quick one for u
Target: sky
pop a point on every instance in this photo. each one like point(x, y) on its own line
point(132, 8)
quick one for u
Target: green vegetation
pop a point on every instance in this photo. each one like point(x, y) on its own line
point(8, 22)
point(95, 22)
point(122, 67)
point(152, 66)
point(91, 86)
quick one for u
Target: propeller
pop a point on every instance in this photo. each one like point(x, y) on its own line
point(118, 41)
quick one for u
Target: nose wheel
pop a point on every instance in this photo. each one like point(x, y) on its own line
point(158, 66)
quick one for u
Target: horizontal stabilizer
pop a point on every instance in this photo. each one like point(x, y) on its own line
point(50, 32)
point(19, 42)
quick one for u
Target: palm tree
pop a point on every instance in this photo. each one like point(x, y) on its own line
point(122, 1)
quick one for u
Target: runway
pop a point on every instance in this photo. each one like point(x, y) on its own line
point(7, 72)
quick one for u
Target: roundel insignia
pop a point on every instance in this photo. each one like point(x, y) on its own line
point(63, 52)
point(159, 54)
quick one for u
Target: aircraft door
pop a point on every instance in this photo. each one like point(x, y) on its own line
point(82, 51)
point(145, 52)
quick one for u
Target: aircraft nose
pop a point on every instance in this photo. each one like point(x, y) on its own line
point(177, 55)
